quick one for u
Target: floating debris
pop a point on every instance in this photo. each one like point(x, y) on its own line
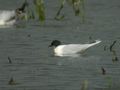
point(9, 60)
point(103, 71)
point(12, 82)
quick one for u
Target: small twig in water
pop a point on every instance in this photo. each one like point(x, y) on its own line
point(111, 46)
point(105, 48)
point(115, 58)
point(9, 60)
point(103, 71)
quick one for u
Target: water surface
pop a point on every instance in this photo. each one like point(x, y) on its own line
point(34, 67)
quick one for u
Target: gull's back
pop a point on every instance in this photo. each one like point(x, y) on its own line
point(73, 48)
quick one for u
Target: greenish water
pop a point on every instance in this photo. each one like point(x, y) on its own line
point(34, 67)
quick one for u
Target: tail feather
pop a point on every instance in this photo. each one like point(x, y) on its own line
point(96, 42)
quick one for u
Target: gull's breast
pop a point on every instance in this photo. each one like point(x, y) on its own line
point(59, 50)
point(2, 22)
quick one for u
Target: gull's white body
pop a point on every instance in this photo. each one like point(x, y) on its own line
point(6, 15)
point(72, 49)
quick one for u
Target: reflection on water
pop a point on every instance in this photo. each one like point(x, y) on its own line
point(5, 26)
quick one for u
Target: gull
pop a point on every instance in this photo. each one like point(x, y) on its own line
point(70, 49)
point(9, 17)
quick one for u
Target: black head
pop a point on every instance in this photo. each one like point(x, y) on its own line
point(55, 43)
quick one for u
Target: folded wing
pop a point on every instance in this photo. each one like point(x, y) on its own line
point(77, 48)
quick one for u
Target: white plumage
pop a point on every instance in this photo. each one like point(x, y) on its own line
point(7, 17)
point(71, 49)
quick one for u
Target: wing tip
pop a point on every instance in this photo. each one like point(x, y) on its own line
point(98, 41)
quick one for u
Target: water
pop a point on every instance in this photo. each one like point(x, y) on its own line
point(34, 67)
